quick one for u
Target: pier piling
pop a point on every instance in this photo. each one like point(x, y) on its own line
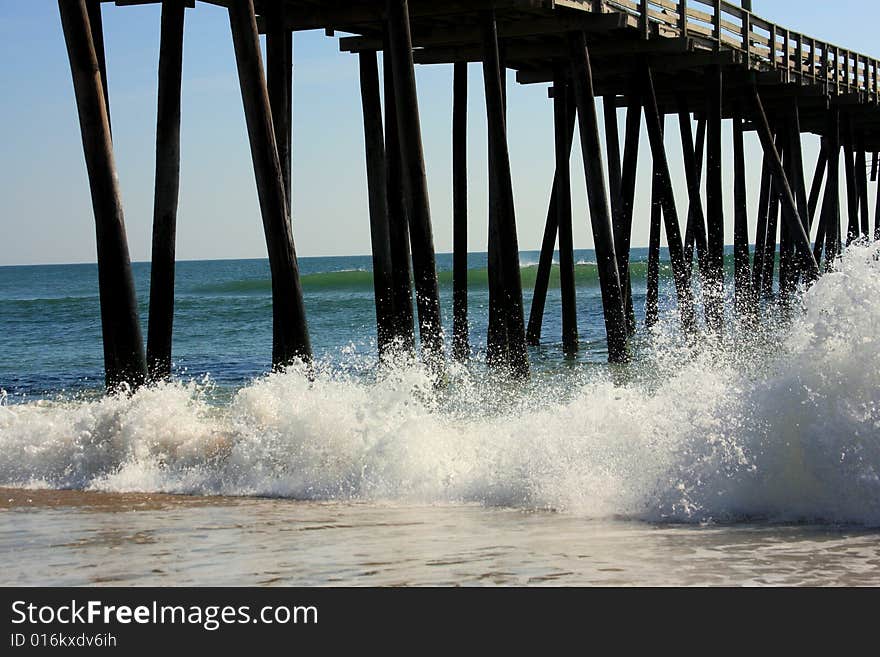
point(167, 190)
point(415, 186)
point(380, 232)
point(600, 214)
point(561, 108)
point(505, 284)
point(460, 328)
point(291, 335)
point(124, 359)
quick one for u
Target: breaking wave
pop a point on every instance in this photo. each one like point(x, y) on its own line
point(783, 426)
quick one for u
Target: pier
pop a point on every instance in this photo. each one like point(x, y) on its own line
point(702, 62)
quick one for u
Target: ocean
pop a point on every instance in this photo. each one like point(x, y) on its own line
point(746, 459)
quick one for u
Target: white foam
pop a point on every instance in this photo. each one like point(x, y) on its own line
point(786, 429)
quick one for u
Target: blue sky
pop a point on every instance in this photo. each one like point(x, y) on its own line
point(45, 209)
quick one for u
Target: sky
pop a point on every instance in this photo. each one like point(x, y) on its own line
point(45, 207)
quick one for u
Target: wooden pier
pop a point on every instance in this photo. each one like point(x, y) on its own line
point(702, 60)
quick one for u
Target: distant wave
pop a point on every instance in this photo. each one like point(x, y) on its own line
point(586, 274)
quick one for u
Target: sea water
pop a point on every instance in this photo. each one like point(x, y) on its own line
point(742, 459)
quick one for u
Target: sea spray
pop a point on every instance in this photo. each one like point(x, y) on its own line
point(783, 426)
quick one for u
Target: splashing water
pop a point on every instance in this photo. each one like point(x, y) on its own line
point(785, 426)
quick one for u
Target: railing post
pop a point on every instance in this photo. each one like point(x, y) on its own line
point(683, 17)
point(645, 19)
point(811, 66)
point(836, 70)
point(773, 36)
point(716, 25)
point(846, 70)
point(786, 59)
point(747, 36)
point(876, 81)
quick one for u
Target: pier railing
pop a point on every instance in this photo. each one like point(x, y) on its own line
point(765, 46)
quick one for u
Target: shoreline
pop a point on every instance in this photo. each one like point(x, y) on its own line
point(17, 499)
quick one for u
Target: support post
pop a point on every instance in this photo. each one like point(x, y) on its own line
point(96, 22)
point(862, 179)
point(167, 188)
point(398, 218)
point(801, 241)
point(279, 77)
point(415, 181)
point(623, 224)
point(692, 168)
point(831, 202)
point(380, 233)
point(816, 187)
point(742, 276)
point(681, 271)
point(460, 342)
point(852, 182)
point(548, 246)
point(291, 335)
point(652, 277)
point(762, 227)
point(124, 360)
point(695, 231)
point(769, 264)
point(713, 284)
point(504, 275)
point(561, 106)
point(600, 216)
point(796, 178)
point(542, 276)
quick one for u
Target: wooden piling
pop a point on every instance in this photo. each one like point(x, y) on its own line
point(831, 202)
point(542, 276)
point(167, 189)
point(744, 299)
point(787, 262)
point(862, 180)
point(561, 105)
point(124, 359)
point(798, 183)
point(623, 223)
point(801, 241)
point(769, 265)
point(681, 270)
point(291, 335)
point(96, 22)
point(761, 228)
point(816, 187)
point(415, 181)
point(713, 283)
point(380, 232)
point(693, 173)
point(652, 276)
point(695, 231)
point(460, 329)
point(600, 215)
point(877, 215)
point(852, 182)
point(504, 275)
point(398, 218)
point(548, 247)
point(279, 80)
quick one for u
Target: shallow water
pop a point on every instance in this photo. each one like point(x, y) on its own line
point(142, 540)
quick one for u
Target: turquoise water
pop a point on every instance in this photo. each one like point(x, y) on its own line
point(50, 317)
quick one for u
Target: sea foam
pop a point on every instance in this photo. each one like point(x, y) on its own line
point(781, 425)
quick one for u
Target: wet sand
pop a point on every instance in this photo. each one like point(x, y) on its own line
point(73, 538)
